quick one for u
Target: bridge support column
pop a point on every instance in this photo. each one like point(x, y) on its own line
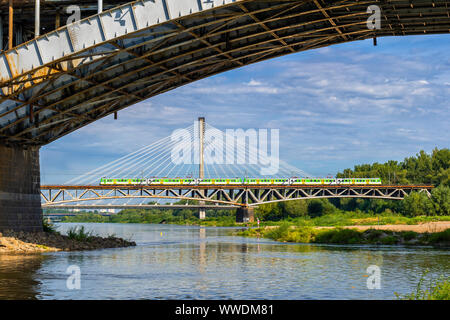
point(202, 213)
point(246, 214)
point(20, 201)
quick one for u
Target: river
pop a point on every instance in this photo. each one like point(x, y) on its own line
point(188, 262)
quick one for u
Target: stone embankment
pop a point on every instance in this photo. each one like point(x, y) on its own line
point(35, 242)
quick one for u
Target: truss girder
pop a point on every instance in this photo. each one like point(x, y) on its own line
point(223, 195)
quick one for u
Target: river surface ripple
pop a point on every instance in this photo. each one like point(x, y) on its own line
point(188, 262)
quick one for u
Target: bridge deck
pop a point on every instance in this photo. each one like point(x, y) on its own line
point(230, 186)
point(79, 73)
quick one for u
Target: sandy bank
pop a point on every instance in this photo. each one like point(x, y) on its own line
point(429, 227)
point(25, 242)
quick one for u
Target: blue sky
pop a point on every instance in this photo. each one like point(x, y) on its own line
point(335, 107)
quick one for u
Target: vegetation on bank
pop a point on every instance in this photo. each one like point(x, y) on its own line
point(51, 240)
point(433, 289)
point(289, 233)
point(431, 169)
point(217, 219)
point(333, 219)
point(80, 234)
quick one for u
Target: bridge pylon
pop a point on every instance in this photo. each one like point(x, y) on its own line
point(201, 132)
point(20, 199)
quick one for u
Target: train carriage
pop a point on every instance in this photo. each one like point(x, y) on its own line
point(240, 181)
point(189, 181)
point(170, 181)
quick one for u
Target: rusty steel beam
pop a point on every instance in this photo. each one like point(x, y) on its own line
point(141, 55)
point(234, 195)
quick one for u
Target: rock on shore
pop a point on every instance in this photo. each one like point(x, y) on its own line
point(35, 242)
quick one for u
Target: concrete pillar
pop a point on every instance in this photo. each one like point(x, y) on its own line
point(245, 214)
point(20, 203)
point(201, 130)
point(37, 18)
point(99, 6)
point(202, 212)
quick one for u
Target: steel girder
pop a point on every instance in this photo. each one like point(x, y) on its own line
point(82, 72)
point(236, 196)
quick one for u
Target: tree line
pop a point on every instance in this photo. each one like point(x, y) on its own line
point(430, 169)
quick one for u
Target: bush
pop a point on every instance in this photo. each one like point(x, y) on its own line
point(389, 240)
point(439, 237)
point(437, 290)
point(409, 235)
point(279, 233)
point(301, 235)
point(373, 234)
point(80, 234)
point(340, 236)
point(48, 227)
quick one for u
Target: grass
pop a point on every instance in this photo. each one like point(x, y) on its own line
point(42, 246)
point(339, 236)
point(336, 219)
point(48, 226)
point(350, 218)
point(288, 233)
point(80, 234)
point(436, 289)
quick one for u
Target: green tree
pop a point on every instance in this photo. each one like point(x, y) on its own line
point(319, 207)
point(294, 209)
point(417, 204)
point(269, 211)
point(440, 200)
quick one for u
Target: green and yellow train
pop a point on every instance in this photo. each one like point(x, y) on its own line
point(240, 181)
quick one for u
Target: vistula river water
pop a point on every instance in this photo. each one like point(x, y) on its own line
point(187, 262)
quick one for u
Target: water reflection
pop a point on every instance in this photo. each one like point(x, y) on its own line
point(182, 262)
point(17, 276)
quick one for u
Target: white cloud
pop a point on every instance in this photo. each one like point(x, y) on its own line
point(253, 82)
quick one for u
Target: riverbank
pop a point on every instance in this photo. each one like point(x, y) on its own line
point(428, 227)
point(340, 219)
point(38, 242)
point(378, 235)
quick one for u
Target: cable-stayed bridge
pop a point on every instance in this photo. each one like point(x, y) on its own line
point(194, 165)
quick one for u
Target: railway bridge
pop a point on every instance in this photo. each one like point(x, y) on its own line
point(55, 78)
point(241, 197)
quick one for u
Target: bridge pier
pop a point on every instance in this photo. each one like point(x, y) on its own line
point(245, 214)
point(20, 201)
point(202, 213)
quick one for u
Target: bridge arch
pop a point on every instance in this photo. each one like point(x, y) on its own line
point(82, 72)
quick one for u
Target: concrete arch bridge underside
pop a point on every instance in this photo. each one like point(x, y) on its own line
point(76, 74)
